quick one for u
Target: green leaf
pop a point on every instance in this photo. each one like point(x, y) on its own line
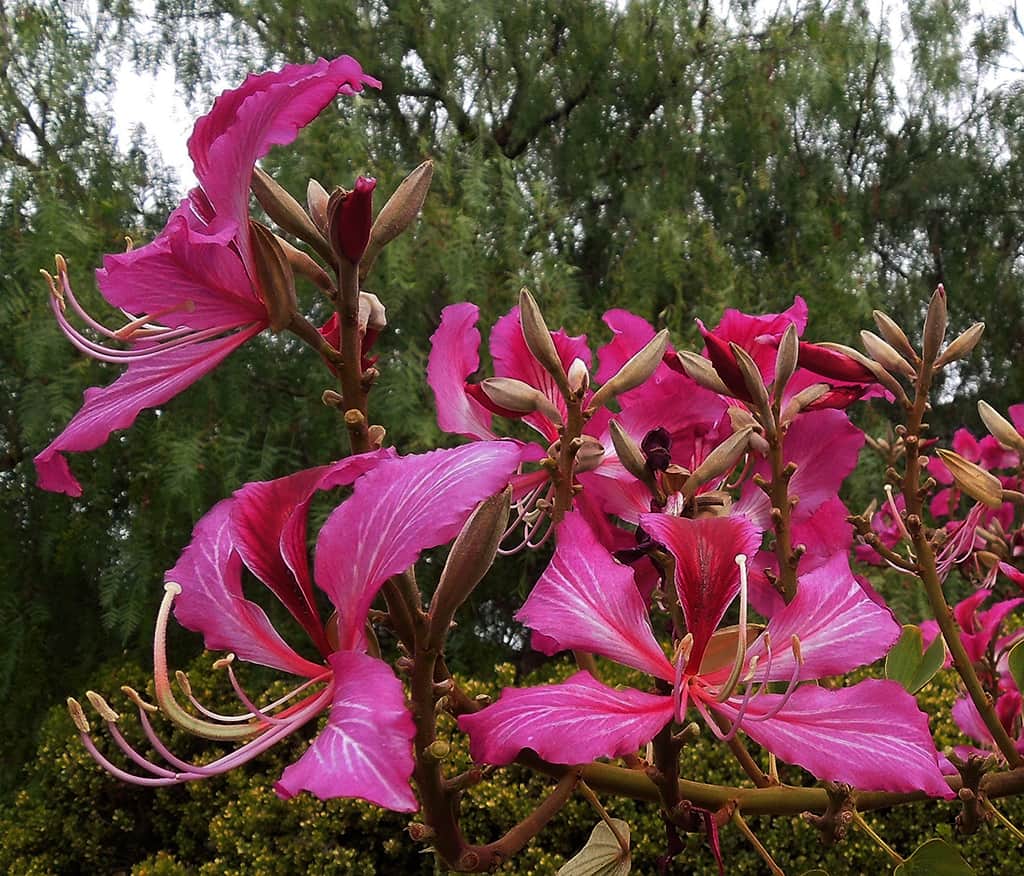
point(910, 664)
point(602, 855)
point(1015, 662)
point(935, 858)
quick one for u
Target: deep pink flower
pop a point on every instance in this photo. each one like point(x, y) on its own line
point(871, 735)
point(192, 293)
point(352, 219)
point(399, 507)
point(978, 629)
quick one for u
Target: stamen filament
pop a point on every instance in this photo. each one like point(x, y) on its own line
point(741, 641)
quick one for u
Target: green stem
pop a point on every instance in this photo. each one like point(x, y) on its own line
point(756, 843)
point(1009, 825)
point(881, 843)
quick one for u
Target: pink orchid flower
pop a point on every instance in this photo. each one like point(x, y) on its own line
point(192, 295)
point(399, 507)
point(693, 418)
point(870, 735)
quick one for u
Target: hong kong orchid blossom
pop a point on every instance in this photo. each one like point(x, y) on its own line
point(871, 735)
point(693, 419)
point(399, 507)
point(193, 295)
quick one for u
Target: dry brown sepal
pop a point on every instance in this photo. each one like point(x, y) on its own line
point(397, 214)
point(961, 346)
point(895, 336)
point(308, 267)
point(886, 355)
point(1000, 428)
point(786, 360)
point(472, 554)
point(274, 276)
point(973, 480)
point(634, 372)
point(719, 461)
point(286, 211)
point(538, 339)
point(701, 372)
point(935, 323)
point(589, 454)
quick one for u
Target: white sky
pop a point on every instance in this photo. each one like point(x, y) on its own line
point(153, 101)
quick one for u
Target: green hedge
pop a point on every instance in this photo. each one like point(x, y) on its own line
point(69, 817)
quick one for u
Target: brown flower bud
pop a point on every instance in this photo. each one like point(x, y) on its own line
point(398, 213)
point(589, 455)
point(803, 399)
point(934, 331)
point(1001, 429)
point(701, 372)
point(752, 379)
point(895, 336)
point(961, 346)
point(286, 211)
point(307, 267)
point(886, 355)
point(977, 483)
point(578, 375)
point(634, 372)
point(538, 339)
point(468, 561)
point(786, 359)
point(273, 275)
point(316, 201)
point(719, 461)
point(630, 454)
point(879, 373)
point(514, 395)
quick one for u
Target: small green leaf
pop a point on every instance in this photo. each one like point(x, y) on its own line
point(1015, 661)
point(935, 858)
point(602, 855)
point(910, 664)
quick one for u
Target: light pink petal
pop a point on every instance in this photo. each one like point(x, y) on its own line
point(839, 627)
point(707, 577)
point(268, 527)
point(365, 750)
point(454, 355)
point(945, 502)
point(986, 627)
point(969, 720)
point(587, 601)
point(189, 266)
point(629, 334)
point(402, 507)
point(1016, 413)
point(209, 572)
point(572, 722)
point(966, 445)
point(146, 384)
point(872, 736)
point(512, 358)
point(246, 122)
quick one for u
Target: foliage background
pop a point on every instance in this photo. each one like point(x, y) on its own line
point(674, 158)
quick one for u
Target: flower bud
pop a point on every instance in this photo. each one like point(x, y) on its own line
point(349, 218)
point(877, 371)
point(1001, 429)
point(977, 483)
point(468, 561)
point(701, 372)
point(629, 453)
point(719, 461)
point(895, 336)
point(273, 276)
point(589, 455)
point(934, 331)
point(752, 378)
point(961, 346)
point(514, 395)
point(538, 339)
point(398, 213)
point(316, 202)
point(786, 359)
point(285, 210)
point(802, 400)
point(307, 267)
point(886, 355)
point(634, 372)
point(579, 376)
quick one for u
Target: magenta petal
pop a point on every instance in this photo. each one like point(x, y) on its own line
point(402, 507)
point(209, 573)
point(146, 384)
point(246, 122)
point(572, 722)
point(872, 736)
point(707, 577)
point(268, 527)
point(365, 750)
point(839, 626)
point(454, 356)
point(587, 601)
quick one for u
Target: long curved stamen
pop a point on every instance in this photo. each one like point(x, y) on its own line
point(145, 323)
point(186, 687)
point(741, 640)
point(535, 506)
point(162, 685)
point(895, 512)
point(798, 662)
point(961, 545)
point(255, 711)
point(680, 692)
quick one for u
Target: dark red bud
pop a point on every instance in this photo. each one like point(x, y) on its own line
point(725, 364)
point(350, 217)
point(832, 364)
point(839, 397)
